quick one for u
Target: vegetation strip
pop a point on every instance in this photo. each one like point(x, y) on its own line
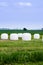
point(21, 56)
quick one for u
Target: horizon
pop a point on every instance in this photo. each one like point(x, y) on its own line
point(18, 29)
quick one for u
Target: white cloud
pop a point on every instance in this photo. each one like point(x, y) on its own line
point(24, 4)
point(3, 4)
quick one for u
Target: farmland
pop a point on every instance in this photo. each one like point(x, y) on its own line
point(21, 52)
point(10, 51)
point(22, 31)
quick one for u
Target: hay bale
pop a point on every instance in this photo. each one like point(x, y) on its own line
point(4, 36)
point(26, 36)
point(13, 36)
point(36, 36)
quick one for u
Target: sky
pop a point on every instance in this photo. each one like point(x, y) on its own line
point(19, 14)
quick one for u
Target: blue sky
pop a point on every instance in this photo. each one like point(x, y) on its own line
point(18, 14)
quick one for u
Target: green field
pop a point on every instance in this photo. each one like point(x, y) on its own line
point(30, 63)
point(11, 50)
point(22, 31)
point(21, 52)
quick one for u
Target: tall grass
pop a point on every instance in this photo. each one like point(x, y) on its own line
point(21, 57)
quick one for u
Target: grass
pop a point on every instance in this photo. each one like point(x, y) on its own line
point(21, 43)
point(8, 45)
point(21, 56)
point(10, 50)
point(29, 63)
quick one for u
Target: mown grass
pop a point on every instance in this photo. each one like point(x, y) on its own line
point(20, 43)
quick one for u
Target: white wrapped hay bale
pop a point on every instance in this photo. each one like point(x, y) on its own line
point(13, 36)
point(4, 36)
point(20, 35)
point(36, 36)
point(26, 36)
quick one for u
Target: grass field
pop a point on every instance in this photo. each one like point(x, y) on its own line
point(29, 63)
point(21, 52)
point(8, 47)
point(22, 31)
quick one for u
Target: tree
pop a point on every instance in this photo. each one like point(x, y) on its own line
point(24, 29)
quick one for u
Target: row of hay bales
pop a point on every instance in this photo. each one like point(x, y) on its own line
point(15, 36)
